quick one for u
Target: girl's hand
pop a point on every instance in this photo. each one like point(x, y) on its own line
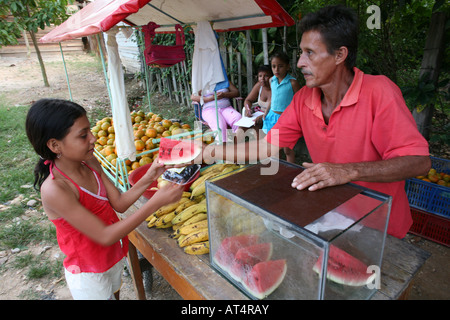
point(170, 193)
point(156, 169)
point(248, 112)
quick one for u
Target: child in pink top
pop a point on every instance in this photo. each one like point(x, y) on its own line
point(81, 201)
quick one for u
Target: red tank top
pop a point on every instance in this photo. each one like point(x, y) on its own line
point(83, 254)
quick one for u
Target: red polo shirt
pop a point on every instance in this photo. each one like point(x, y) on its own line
point(371, 123)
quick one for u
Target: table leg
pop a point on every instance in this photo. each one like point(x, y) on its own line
point(136, 275)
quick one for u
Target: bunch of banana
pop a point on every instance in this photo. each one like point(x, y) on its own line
point(161, 217)
point(199, 187)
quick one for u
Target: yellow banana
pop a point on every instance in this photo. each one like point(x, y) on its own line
point(198, 190)
point(169, 207)
point(202, 179)
point(181, 238)
point(189, 212)
point(184, 205)
point(199, 198)
point(152, 221)
point(164, 225)
point(186, 194)
point(168, 217)
point(198, 217)
point(214, 167)
point(197, 248)
point(194, 237)
point(193, 226)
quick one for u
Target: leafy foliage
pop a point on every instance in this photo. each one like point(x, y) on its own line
point(29, 15)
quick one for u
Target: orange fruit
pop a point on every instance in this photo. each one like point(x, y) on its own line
point(166, 123)
point(139, 133)
point(138, 119)
point(185, 126)
point(144, 138)
point(105, 126)
point(111, 157)
point(160, 129)
point(135, 165)
point(151, 132)
point(166, 133)
point(103, 141)
point(109, 150)
point(145, 160)
point(139, 144)
point(149, 145)
point(102, 133)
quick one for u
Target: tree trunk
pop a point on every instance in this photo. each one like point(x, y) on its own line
point(41, 62)
point(431, 63)
point(249, 63)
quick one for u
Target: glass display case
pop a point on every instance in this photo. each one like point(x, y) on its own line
point(276, 242)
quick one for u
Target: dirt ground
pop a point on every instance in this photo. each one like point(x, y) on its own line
point(21, 83)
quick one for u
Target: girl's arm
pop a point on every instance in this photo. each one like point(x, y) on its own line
point(252, 97)
point(295, 85)
point(122, 201)
point(60, 200)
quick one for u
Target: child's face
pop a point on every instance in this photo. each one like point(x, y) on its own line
point(279, 68)
point(79, 143)
point(263, 78)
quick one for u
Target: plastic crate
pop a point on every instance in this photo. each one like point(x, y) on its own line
point(429, 196)
point(430, 226)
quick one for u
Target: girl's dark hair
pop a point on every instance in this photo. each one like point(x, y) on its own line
point(265, 68)
point(49, 119)
point(338, 26)
point(282, 56)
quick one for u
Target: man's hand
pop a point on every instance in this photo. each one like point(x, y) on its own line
point(322, 175)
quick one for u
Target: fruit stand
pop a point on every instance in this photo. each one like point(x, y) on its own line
point(193, 277)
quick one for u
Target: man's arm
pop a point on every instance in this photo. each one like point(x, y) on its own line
point(244, 152)
point(321, 175)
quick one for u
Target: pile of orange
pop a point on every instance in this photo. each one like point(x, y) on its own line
point(146, 128)
point(440, 178)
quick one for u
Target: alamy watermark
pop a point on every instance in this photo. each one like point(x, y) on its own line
point(374, 20)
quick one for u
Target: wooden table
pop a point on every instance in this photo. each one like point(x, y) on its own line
point(193, 277)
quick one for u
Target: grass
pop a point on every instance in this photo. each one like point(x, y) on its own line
point(18, 230)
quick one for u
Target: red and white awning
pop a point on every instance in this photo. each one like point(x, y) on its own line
point(224, 15)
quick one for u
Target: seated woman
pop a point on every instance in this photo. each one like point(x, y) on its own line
point(259, 98)
point(228, 116)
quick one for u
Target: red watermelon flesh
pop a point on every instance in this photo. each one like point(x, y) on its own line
point(224, 256)
point(178, 151)
point(265, 277)
point(345, 269)
point(247, 257)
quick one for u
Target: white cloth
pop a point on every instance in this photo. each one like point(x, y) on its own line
point(206, 65)
point(119, 104)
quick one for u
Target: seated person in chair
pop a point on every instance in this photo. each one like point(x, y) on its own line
point(228, 116)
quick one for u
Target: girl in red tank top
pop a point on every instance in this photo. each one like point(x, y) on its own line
point(78, 197)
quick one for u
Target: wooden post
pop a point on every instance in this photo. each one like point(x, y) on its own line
point(265, 46)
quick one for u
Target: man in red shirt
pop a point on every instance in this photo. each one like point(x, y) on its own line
point(357, 127)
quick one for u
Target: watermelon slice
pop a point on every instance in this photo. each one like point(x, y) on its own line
point(265, 277)
point(247, 257)
point(224, 256)
point(178, 151)
point(345, 269)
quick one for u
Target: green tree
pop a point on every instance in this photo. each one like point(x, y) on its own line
point(30, 15)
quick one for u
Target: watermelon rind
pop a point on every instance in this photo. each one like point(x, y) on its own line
point(252, 283)
point(345, 269)
point(245, 258)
